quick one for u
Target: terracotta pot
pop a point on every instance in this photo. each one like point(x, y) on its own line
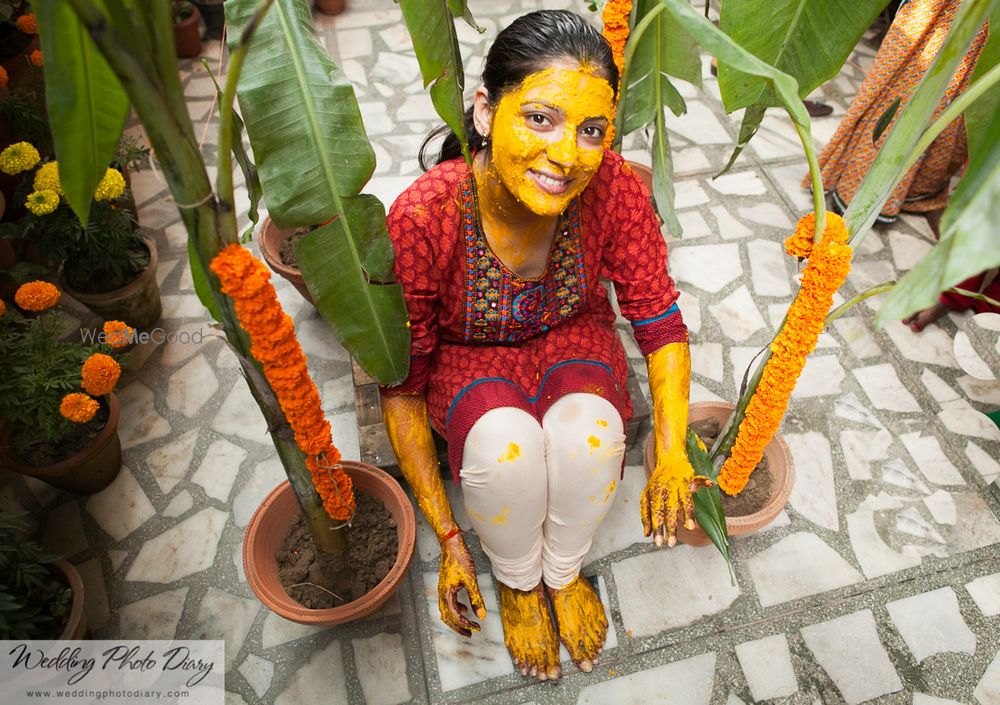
point(18, 64)
point(137, 303)
point(331, 7)
point(646, 174)
point(270, 525)
point(779, 463)
point(86, 472)
point(187, 36)
point(271, 239)
point(76, 622)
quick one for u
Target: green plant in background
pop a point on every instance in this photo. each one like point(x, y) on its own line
point(34, 604)
point(181, 10)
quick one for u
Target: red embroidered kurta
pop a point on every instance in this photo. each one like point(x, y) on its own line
point(484, 337)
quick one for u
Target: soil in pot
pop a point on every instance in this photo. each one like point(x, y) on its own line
point(43, 453)
point(754, 496)
point(287, 251)
point(317, 581)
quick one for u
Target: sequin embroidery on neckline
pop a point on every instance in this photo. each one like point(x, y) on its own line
point(503, 308)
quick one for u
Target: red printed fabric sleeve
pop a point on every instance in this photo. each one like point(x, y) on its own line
point(416, 225)
point(635, 259)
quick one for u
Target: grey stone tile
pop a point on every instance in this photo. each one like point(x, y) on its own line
point(849, 650)
point(767, 665)
point(690, 684)
point(931, 623)
point(799, 565)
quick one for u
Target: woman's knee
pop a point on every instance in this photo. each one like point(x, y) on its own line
point(505, 445)
point(584, 426)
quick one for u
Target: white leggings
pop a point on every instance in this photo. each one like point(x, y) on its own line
point(535, 494)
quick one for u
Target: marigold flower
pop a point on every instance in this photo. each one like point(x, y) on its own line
point(616, 30)
point(36, 296)
point(4, 78)
point(36, 58)
point(47, 178)
point(3, 307)
point(78, 407)
point(27, 24)
point(19, 157)
point(42, 202)
point(273, 343)
point(117, 334)
point(100, 374)
point(829, 264)
point(111, 187)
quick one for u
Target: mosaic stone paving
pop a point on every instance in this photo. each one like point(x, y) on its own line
point(879, 583)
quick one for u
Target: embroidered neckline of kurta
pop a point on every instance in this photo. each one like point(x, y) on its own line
point(502, 307)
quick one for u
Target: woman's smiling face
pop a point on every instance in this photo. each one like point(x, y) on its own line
point(549, 135)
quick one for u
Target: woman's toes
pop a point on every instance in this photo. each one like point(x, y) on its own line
point(554, 672)
point(585, 665)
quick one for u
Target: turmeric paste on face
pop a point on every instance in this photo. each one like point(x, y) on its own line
point(548, 136)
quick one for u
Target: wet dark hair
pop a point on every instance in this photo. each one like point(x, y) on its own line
point(531, 43)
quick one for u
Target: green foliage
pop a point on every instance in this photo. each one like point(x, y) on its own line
point(977, 117)
point(432, 30)
point(180, 10)
point(707, 500)
point(34, 604)
point(37, 369)
point(24, 110)
point(313, 167)
point(361, 305)
point(85, 98)
point(130, 154)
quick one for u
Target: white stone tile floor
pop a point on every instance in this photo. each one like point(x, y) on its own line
point(880, 582)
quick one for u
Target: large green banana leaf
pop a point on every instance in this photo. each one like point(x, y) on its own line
point(313, 157)
point(662, 48)
point(301, 115)
point(86, 102)
point(969, 239)
point(977, 117)
point(381, 322)
point(432, 30)
point(807, 39)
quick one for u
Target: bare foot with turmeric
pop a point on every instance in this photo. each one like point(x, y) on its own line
point(529, 633)
point(921, 319)
point(581, 622)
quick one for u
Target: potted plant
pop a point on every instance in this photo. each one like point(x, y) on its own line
point(277, 247)
point(41, 596)
point(109, 265)
point(56, 395)
point(18, 39)
point(187, 35)
point(331, 7)
point(825, 240)
point(231, 283)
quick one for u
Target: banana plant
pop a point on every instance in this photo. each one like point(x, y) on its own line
point(807, 39)
point(313, 158)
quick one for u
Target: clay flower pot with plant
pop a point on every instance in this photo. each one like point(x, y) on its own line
point(41, 596)
point(187, 33)
point(56, 395)
point(637, 32)
point(109, 266)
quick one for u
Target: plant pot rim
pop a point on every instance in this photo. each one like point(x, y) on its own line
point(783, 475)
point(271, 237)
point(44, 472)
point(76, 614)
point(132, 286)
point(190, 19)
point(274, 596)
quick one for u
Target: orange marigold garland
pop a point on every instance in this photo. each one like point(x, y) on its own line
point(78, 407)
point(117, 334)
point(36, 296)
point(100, 374)
point(273, 343)
point(829, 263)
point(615, 18)
point(27, 24)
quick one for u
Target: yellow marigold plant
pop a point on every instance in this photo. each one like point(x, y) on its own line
point(18, 157)
point(42, 202)
point(47, 178)
point(112, 186)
